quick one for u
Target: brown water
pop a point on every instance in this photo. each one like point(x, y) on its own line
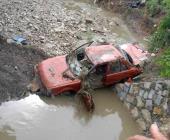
point(35, 118)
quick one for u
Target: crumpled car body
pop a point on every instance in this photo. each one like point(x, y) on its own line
point(100, 65)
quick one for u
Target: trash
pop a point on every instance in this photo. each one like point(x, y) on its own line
point(136, 4)
point(20, 40)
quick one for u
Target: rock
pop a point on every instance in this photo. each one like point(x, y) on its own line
point(119, 87)
point(83, 29)
point(159, 92)
point(158, 86)
point(157, 111)
point(131, 89)
point(33, 86)
point(122, 95)
point(149, 105)
point(168, 109)
point(142, 124)
point(88, 21)
point(151, 93)
point(130, 99)
point(145, 95)
point(165, 106)
point(140, 103)
point(127, 105)
point(158, 99)
point(165, 93)
point(141, 92)
point(10, 41)
point(35, 16)
point(16, 68)
point(167, 82)
point(146, 115)
point(135, 112)
point(147, 85)
point(49, 45)
point(65, 44)
point(135, 89)
point(42, 37)
point(126, 87)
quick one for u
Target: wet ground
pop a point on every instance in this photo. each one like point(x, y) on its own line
point(16, 69)
point(35, 118)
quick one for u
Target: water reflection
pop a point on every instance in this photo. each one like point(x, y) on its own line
point(63, 118)
point(7, 133)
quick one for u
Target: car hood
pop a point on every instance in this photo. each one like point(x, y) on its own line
point(138, 55)
point(51, 72)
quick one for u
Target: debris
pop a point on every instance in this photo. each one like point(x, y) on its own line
point(89, 21)
point(20, 40)
point(10, 41)
point(33, 86)
point(87, 100)
point(137, 4)
point(157, 111)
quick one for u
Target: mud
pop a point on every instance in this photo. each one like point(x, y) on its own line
point(16, 69)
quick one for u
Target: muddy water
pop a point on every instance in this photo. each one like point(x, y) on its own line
point(62, 117)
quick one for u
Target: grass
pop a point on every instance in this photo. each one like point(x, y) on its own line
point(160, 39)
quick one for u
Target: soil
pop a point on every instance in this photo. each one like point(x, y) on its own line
point(137, 18)
point(16, 71)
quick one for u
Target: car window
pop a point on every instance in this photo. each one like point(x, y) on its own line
point(101, 69)
point(115, 66)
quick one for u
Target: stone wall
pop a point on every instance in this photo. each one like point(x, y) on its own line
point(148, 102)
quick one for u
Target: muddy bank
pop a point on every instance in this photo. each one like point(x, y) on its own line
point(16, 69)
point(136, 16)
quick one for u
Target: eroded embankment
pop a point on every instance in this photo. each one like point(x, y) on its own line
point(134, 13)
point(16, 69)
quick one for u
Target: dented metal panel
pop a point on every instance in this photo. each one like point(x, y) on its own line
point(102, 54)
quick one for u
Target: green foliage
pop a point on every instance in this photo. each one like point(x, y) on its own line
point(161, 37)
point(153, 7)
point(167, 3)
point(164, 62)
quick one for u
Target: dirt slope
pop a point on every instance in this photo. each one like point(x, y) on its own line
point(16, 69)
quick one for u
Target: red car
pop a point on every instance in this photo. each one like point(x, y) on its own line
point(102, 65)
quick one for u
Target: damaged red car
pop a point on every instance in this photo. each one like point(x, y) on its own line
point(102, 65)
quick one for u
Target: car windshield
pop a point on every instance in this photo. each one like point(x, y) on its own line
point(78, 61)
point(125, 55)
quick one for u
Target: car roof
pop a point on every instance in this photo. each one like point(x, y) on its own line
point(102, 54)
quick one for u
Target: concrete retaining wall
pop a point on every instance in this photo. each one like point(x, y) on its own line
point(148, 102)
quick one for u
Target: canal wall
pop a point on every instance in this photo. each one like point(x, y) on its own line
point(148, 102)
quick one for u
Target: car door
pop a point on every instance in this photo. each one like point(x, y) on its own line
point(96, 75)
point(118, 71)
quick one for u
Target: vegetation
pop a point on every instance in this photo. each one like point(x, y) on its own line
point(164, 62)
point(160, 39)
